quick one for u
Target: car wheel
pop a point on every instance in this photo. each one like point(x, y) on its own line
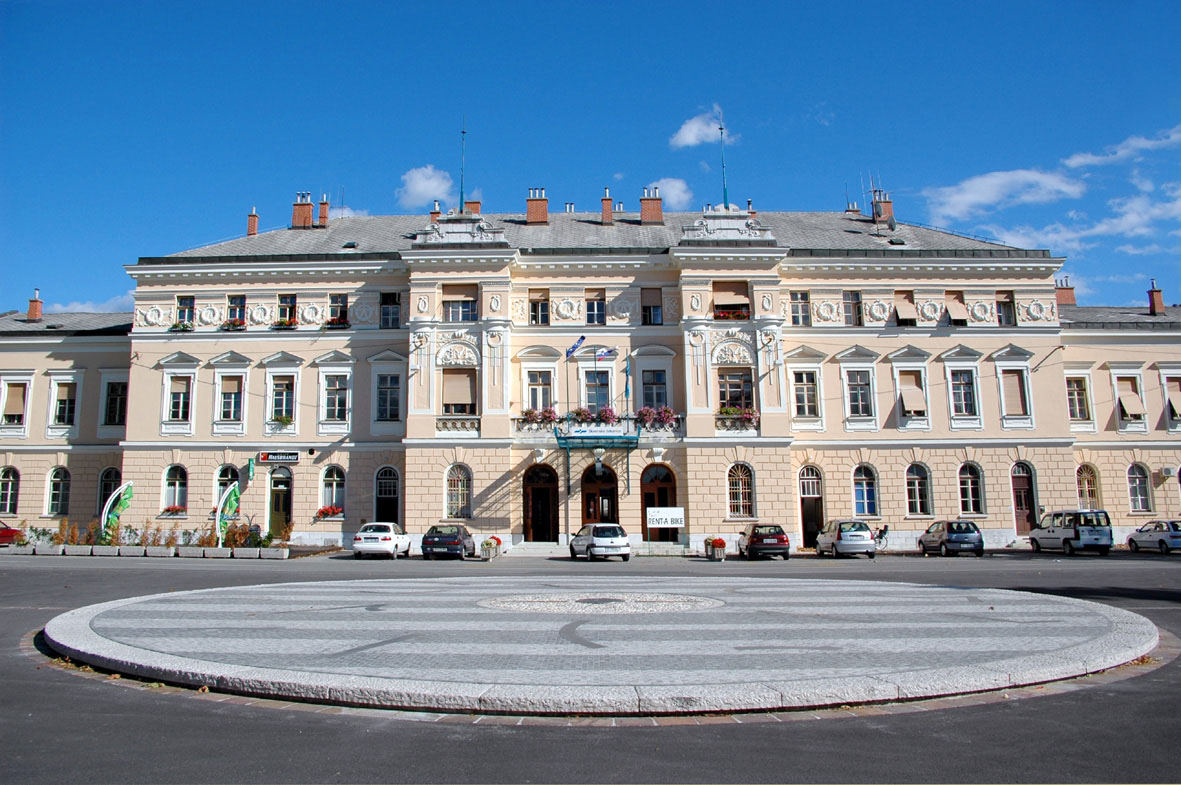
point(356, 555)
point(943, 549)
point(426, 556)
point(1068, 547)
point(627, 557)
point(922, 550)
point(871, 554)
point(980, 553)
point(1163, 546)
point(786, 555)
point(1104, 551)
point(1133, 546)
point(1034, 545)
point(573, 555)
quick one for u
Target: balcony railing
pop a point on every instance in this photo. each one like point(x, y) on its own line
point(465, 424)
point(627, 425)
point(726, 422)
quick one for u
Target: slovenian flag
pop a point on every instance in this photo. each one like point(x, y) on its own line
point(570, 352)
point(603, 354)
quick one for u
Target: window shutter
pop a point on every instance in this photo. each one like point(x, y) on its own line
point(1014, 386)
point(179, 384)
point(731, 293)
point(904, 305)
point(459, 387)
point(231, 384)
point(538, 295)
point(1173, 391)
point(910, 385)
point(65, 392)
point(650, 297)
point(955, 306)
point(1129, 398)
point(461, 292)
point(14, 404)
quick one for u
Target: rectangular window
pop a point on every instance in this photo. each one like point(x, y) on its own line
point(851, 305)
point(185, 309)
point(336, 398)
point(459, 391)
point(391, 310)
point(905, 314)
point(540, 390)
point(282, 398)
point(963, 394)
point(598, 390)
point(67, 401)
point(735, 388)
point(288, 305)
point(1016, 398)
point(806, 394)
point(14, 403)
point(1006, 309)
point(651, 306)
point(910, 393)
point(180, 396)
point(1076, 399)
point(1130, 405)
point(957, 311)
point(460, 302)
point(389, 393)
point(338, 308)
point(596, 306)
point(116, 411)
point(655, 388)
point(801, 309)
point(236, 307)
point(539, 306)
point(231, 399)
point(1173, 395)
point(860, 394)
point(731, 300)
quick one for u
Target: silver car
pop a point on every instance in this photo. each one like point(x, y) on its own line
point(847, 536)
point(1161, 535)
point(1072, 531)
point(951, 538)
point(600, 540)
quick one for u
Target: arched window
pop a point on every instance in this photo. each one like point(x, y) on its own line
point(865, 491)
point(59, 492)
point(176, 487)
point(810, 483)
point(1087, 480)
point(741, 482)
point(333, 487)
point(108, 482)
point(226, 476)
point(459, 492)
point(10, 483)
point(1138, 492)
point(918, 490)
point(971, 490)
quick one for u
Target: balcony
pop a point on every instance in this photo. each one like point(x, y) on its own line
point(628, 426)
point(463, 425)
point(732, 313)
point(733, 420)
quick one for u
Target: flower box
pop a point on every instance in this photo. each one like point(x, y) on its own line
point(181, 327)
point(217, 553)
point(233, 325)
point(78, 550)
point(19, 550)
point(131, 550)
point(159, 551)
point(190, 551)
point(336, 324)
point(284, 324)
point(273, 553)
point(45, 549)
point(245, 553)
point(329, 511)
point(105, 550)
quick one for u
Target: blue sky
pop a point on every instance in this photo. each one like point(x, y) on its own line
point(141, 129)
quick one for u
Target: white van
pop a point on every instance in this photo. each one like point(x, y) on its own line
point(1073, 530)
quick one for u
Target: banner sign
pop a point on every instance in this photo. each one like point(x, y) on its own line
point(278, 457)
point(227, 506)
point(597, 429)
point(117, 502)
point(666, 517)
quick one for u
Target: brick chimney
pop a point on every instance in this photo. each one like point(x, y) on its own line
point(608, 216)
point(435, 212)
point(301, 211)
point(1064, 292)
point(472, 207)
point(322, 219)
point(883, 207)
point(1156, 301)
point(35, 304)
point(252, 223)
point(537, 207)
point(651, 207)
point(750, 208)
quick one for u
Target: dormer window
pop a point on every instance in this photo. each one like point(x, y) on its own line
point(731, 300)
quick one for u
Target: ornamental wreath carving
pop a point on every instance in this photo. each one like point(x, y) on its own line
point(259, 314)
point(155, 316)
point(1037, 311)
point(209, 315)
point(826, 311)
point(879, 311)
point(930, 310)
point(983, 312)
point(569, 309)
point(311, 313)
point(422, 303)
point(454, 354)
point(695, 303)
point(623, 308)
point(362, 313)
point(732, 354)
point(494, 303)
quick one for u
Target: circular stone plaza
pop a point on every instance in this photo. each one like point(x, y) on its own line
point(601, 646)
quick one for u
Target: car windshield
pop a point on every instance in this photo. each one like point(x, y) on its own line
point(453, 530)
point(1173, 525)
point(375, 527)
point(854, 526)
point(962, 527)
point(1092, 518)
point(768, 530)
point(609, 531)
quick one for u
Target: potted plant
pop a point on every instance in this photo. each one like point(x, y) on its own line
point(284, 324)
point(490, 548)
point(173, 510)
point(715, 548)
point(181, 327)
point(233, 325)
point(649, 416)
point(607, 416)
point(329, 511)
point(336, 323)
point(745, 416)
point(283, 420)
point(582, 415)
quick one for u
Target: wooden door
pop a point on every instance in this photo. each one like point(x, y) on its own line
point(658, 488)
point(540, 491)
point(1024, 502)
point(599, 496)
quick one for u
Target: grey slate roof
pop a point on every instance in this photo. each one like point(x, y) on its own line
point(1109, 317)
point(395, 233)
point(71, 323)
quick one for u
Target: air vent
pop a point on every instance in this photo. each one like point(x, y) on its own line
point(350, 244)
point(897, 241)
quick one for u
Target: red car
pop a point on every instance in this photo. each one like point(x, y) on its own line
point(8, 535)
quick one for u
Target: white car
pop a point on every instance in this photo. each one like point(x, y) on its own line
point(1162, 535)
point(600, 540)
point(381, 539)
point(1072, 531)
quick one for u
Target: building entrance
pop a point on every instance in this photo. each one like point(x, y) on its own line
point(280, 508)
point(540, 488)
point(385, 506)
point(811, 504)
point(600, 494)
point(1024, 502)
point(658, 488)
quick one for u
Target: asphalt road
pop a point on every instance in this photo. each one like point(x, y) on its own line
point(59, 726)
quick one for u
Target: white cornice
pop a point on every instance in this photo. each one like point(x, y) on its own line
point(246, 268)
point(880, 265)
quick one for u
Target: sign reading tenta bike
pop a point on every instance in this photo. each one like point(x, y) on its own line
point(666, 517)
point(278, 457)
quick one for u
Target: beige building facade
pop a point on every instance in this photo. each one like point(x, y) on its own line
point(529, 373)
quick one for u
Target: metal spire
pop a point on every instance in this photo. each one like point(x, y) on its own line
point(462, 157)
point(725, 193)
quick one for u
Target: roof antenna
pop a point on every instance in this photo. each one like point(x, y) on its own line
point(722, 139)
point(462, 157)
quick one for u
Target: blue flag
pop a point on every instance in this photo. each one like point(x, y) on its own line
point(627, 379)
point(570, 352)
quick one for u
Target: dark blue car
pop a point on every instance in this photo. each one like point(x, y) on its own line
point(448, 540)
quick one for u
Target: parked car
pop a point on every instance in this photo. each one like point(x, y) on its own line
point(8, 535)
point(381, 539)
point(448, 539)
point(845, 536)
point(1072, 531)
point(951, 538)
point(760, 539)
point(600, 540)
point(1162, 535)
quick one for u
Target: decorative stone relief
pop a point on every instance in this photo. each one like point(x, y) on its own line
point(732, 354)
point(209, 315)
point(878, 310)
point(154, 316)
point(494, 303)
point(767, 337)
point(930, 310)
point(766, 303)
point(520, 311)
point(569, 309)
point(983, 312)
point(1037, 311)
point(672, 310)
point(623, 308)
point(362, 313)
point(825, 311)
point(784, 309)
point(734, 334)
point(422, 303)
point(312, 313)
point(695, 303)
point(726, 223)
point(420, 339)
point(458, 354)
point(259, 314)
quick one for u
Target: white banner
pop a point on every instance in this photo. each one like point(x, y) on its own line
point(666, 517)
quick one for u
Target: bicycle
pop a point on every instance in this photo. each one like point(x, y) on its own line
point(881, 538)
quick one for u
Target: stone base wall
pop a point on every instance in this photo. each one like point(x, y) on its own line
point(34, 469)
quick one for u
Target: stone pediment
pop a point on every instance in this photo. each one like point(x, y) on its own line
point(539, 353)
point(335, 357)
point(961, 353)
point(857, 354)
point(281, 358)
point(386, 357)
point(909, 354)
point(803, 353)
point(1011, 352)
point(653, 351)
point(230, 360)
point(179, 360)
point(460, 228)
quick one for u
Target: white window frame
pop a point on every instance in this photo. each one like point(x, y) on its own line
point(860, 422)
point(230, 364)
point(282, 365)
point(587, 364)
point(46, 513)
point(652, 358)
point(323, 488)
point(1015, 422)
point(540, 365)
point(177, 367)
point(1084, 373)
point(1151, 509)
point(164, 488)
point(1167, 372)
point(877, 492)
point(1128, 371)
point(334, 365)
point(56, 379)
point(106, 377)
point(912, 422)
point(754, 498)
point(963, 422)
point(394, 364)
point(471, 492)
point(980, 480)
point(16, 377)
point(930, 496)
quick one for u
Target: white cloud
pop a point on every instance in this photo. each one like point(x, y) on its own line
point(702, 129)
point(346, 212)
point(996, 190)
point(423, 184)
point(1126, 149)
point(1141, 182)
point(675, 192)
point(618, 175)
point(1055, 237)
point(116, 304)
point(704, 166)
point(1141, 250)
